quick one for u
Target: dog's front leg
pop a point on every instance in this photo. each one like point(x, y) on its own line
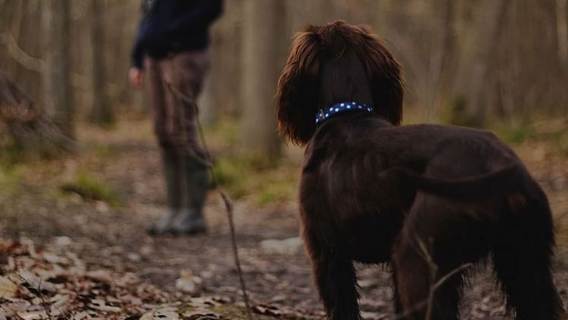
point(333, 269)
point(337, 285)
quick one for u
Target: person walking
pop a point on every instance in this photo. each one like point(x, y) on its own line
point(171, 54)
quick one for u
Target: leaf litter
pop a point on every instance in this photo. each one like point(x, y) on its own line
point(111, 276)
point(51, 282)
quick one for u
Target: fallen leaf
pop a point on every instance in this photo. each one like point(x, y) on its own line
point(288, 246)
point(101, 305)
point(161, 314)
point(189, 283)
point(8, 289)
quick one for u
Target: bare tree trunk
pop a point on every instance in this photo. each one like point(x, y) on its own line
point(447, 47)
point(211, 99)
point(441, 53)
point(56, 82)
point(226, 52)
point(536, 81)
point(262, 47)
point(31, 131)
point(562, 31)
point(101, 108)
point(327, 11)
point(489, 37)
point(379, 10)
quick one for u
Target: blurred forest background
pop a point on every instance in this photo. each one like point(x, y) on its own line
point(470, 62)
point(498, 64)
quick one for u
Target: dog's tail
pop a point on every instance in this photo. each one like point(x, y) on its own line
point(522, 255)
point(490, 183)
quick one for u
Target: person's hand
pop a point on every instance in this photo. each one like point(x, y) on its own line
point(136, 77)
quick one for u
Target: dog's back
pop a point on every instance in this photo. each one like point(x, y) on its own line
point(388, 187)
point(374, 192)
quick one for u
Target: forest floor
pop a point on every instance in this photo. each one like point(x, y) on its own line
point(66, 256)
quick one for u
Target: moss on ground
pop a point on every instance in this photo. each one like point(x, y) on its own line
point(244, 176)
point(10, 179)
point(90, 187)
point(254, 177)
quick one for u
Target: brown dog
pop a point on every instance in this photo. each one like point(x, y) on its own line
point(428, 199)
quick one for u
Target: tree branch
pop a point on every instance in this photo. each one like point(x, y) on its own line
point(19, 55)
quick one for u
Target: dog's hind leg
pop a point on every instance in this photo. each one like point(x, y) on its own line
point(428, 260)
point(396, 299)
point(411, 282)
point(424, 290)
point(522, 258)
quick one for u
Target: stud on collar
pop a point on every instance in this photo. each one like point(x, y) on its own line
point(326, 113)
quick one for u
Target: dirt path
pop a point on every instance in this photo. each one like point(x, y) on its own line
point(277, 272)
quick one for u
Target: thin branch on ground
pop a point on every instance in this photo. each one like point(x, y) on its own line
point(434, 286)
point(208, 162)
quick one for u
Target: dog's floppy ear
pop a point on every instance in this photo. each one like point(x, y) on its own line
point(384, 74)
point(297, 93)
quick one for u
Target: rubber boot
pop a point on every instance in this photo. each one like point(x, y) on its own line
point(174, 178)
point(191, 219)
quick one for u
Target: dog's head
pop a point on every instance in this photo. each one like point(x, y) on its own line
point(335, 63)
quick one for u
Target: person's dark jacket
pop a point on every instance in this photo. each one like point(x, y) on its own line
point(172, 26)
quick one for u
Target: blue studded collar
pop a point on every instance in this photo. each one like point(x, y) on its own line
point(326, 113)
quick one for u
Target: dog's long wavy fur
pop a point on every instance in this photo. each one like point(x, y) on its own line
point(376, 192)
point(300, 77)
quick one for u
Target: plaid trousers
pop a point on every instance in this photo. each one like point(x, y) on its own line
point(174, 83)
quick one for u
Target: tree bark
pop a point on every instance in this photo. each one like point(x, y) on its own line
point(101, 108)
point(441, 56)
point(262, 49)
point(562, 30)
point(31, 131)
point(489, 37)
point(57, 95)
point(448, 46)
